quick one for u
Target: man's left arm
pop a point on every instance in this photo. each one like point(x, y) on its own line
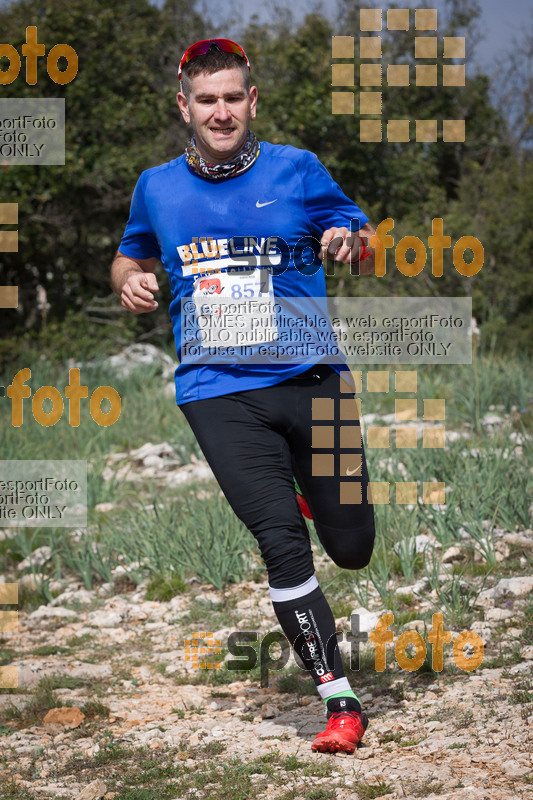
point(333, 214)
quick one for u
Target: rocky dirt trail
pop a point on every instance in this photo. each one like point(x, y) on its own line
point(119, 662)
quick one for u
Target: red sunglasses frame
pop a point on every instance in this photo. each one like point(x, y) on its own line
point(201, 48)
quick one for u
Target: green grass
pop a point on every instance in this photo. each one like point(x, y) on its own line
point(178, 534)
point(162, 588)
point(42, 700)
point(367, 791)
point(143, 774)
point(94, 709)
point(294, 680)
point(13, 791)
point(424, 788)
point(50, 650)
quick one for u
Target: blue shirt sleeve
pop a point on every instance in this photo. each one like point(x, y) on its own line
point(325, 203)
point(139, 239)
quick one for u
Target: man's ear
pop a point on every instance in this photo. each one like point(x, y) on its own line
point(183, 107)
point(253, 101)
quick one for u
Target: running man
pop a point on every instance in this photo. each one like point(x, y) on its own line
point(234, 220)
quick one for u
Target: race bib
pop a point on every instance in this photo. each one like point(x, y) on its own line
point(235, 308)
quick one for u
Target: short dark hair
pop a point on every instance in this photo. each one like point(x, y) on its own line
point(213, 61)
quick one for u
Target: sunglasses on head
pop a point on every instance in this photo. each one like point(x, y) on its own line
point(201, 48)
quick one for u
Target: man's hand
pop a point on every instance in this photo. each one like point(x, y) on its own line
point(136, 293)
point(133, 279)
point(339, 244)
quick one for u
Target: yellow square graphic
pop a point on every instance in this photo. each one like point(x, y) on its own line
point(434, 409)
point(398, 130)
point(323, 408)
point(370, 103)
point(9, 296)
point(406, 437)
point(453, 130)
point(426, 75)
point(350, 465)
point(398, 74)
point(426, 19)
point(357, 376)
point(425, 47)
point(377, 380)
point(9, 621)
point(370, 74)
point(342, 46)
point(453, 75)
point(350, 493)
point(369, 130)
point(406, 409)
point(426, 130)
point(406, 492)
point(322, 436)
point(434, 492)
point(434, 437)
point(406, 380)
point(370, 47)
point(370, 19)
point(377, 436)
point(342, 102)
point(350, 409)
point(398, 19)
point(9, 213)
point(342, 75)
point(9, 593)
point(350, 437)
point(9, 242)
point(454, 47)
point(378, 493)
point(9, 677)
point(322, 464)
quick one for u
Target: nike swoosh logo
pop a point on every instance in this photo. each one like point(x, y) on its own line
point(350, 472)
point(260, 205)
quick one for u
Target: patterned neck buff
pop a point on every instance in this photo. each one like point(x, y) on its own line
point(229, 169)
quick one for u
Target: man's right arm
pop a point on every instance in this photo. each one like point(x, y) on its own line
point(134, 280)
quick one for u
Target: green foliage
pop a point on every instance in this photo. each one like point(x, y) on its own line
point(163, 588)
point(199, 537)
point(120, 119)
point(62, 339)
point(371, 790)
point(295, 680)
point(42, 700)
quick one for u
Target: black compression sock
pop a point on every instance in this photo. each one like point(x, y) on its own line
point(309, 625)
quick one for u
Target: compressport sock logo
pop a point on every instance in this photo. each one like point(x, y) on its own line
point(326, 678)
point(319, 665)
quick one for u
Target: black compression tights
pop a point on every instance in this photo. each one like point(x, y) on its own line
point(256, 440)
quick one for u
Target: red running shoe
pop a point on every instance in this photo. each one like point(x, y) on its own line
point(345, 728)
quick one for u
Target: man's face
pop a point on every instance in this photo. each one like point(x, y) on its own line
point(219, 111)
